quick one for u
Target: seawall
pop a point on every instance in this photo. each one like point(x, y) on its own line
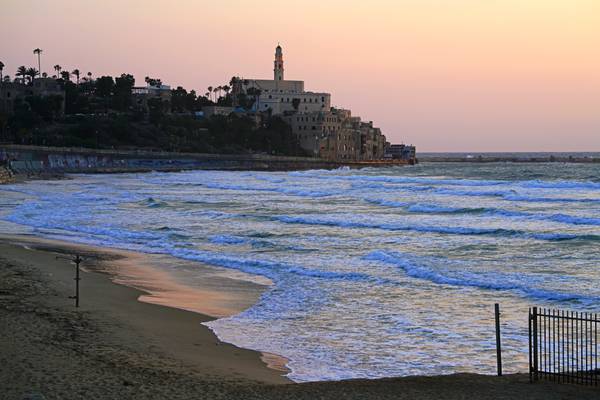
point(36, 160)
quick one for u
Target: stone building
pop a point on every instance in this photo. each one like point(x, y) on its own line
point(11, 92)
point(337, 135)
point(278, 95)
point(323, 131)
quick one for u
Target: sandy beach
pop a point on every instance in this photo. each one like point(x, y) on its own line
point(139, 335)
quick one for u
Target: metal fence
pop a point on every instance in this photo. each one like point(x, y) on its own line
point(563, 346)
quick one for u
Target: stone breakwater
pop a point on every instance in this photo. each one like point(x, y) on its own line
point(36, 160)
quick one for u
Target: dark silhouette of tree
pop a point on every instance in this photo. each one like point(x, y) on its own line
point(22, 72)
point(153, 82)
point(57, 68)
point(65, 75)
point(122, 92)
point(1, 69)
point(39, 51)
point(104, 89)
point(76, 73)
point(31, 74)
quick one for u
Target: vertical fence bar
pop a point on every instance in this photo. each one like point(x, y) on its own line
point(529, 344)
point(498, 344)
point(596, 347)
point(543, 342)
point(584, 348)
point(535, 343)
point(587, 350)
point(554, 345)
point(559, 346)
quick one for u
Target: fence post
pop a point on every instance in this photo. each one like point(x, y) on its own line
point(498, 344)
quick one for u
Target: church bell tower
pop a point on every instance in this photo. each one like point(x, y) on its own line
point(278, 66)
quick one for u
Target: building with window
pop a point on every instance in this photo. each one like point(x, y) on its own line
point(278, 95)
point(323, 131)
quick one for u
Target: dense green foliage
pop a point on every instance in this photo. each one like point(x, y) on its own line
point(102, 113)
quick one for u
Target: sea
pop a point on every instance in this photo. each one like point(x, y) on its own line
point(376, 272)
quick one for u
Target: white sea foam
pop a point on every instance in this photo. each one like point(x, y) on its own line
point(404, 248)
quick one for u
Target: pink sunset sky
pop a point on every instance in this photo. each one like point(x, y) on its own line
point(445, 75)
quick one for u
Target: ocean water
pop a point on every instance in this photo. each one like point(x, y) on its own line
point(377, 272)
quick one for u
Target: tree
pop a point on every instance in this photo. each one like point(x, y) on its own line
point(76, 73)
point(65, 75)
point(1, 69)
point(254, 92)
point(122, 92)
point(210, 89)
point(156, 110)
point(22, 72)
point(38, 51)
point(57, 68)
point(153, 82)
point(104, 88)
point(32, 73)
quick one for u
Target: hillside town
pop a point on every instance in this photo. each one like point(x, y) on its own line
point(273, 116)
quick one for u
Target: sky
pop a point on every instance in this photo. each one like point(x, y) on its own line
point(444, 75)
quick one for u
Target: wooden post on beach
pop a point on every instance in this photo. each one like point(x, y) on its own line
point(77, 260)
point(77, 279)
point(498, 344)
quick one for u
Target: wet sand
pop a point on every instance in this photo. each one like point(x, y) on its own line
point(117, 347)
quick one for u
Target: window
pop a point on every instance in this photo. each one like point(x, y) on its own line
point(323, 99)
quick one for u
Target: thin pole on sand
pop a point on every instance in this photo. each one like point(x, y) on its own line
point(498, 344)
point(77, 260)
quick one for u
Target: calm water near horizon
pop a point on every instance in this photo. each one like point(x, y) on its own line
point(377, 272)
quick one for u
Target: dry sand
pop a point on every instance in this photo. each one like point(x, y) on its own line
point(116, 347)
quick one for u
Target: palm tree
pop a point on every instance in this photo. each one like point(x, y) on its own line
point(1, 68)
point(89, 74)
point(65, 75)
point(22, 72)
point(38, 51)
point(32, 73)
point(210, 89)
point(57, 68)
point(215, 90)
point(76, 73)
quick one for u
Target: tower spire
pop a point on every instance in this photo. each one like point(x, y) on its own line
point(278, 64)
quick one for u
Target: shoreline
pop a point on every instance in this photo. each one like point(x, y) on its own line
point(139, 273)
point(115, 346)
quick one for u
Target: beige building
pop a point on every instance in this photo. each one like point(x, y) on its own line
point(323, 131)
point(279, 95)
point(337, 135)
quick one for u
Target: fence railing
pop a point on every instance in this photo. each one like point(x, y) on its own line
point(563, 346)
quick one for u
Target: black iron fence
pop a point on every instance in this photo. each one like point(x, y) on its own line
point(563, 346)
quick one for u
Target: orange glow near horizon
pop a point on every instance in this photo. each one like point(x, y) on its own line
point(445, 75)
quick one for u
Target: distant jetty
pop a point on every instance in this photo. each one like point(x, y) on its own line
point(511, 157)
